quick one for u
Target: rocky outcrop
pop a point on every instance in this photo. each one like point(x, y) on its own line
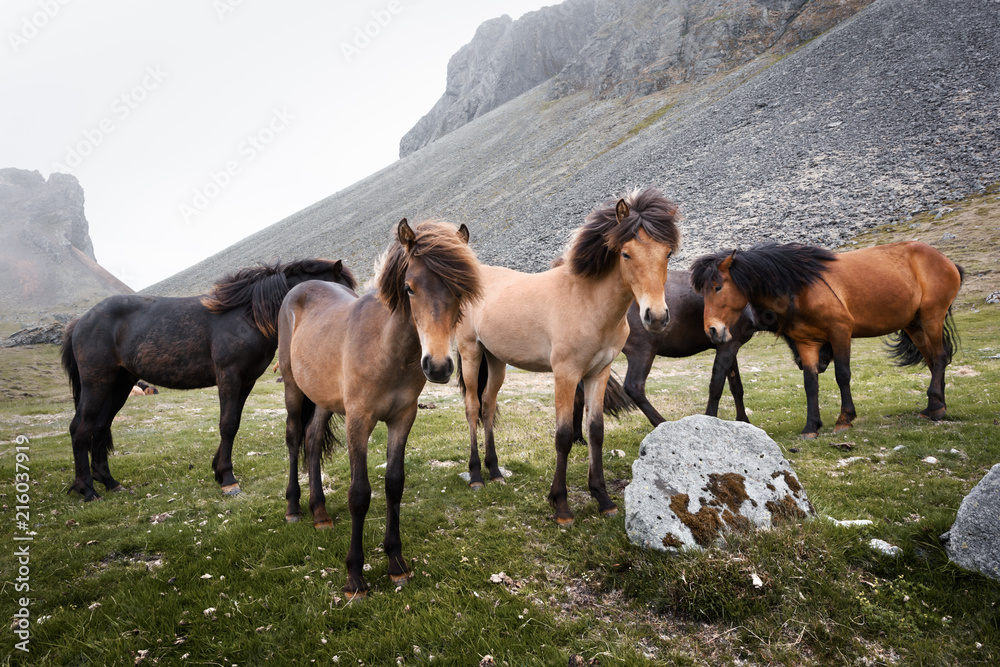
point(47, 261)
point(974, 539)
point(700, 477)
point(504, 59)
point(617, 48)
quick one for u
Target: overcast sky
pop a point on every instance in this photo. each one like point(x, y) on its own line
point(194, 123)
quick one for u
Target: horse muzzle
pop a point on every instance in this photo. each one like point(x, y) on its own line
point(438, 372)
point(718, 334)
point(653, 322)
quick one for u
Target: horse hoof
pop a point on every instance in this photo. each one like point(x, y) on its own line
point(810, 436)
point(475, 486)
point(933, 415)
point(326, 524)
point(611, 511)
point(231, 490)
point(400, 579)
point(565, 521)
point(117, 489)
point(355, 596)
point(840, 428)
point(91, 498)
point(499, 480)
point(292, 518)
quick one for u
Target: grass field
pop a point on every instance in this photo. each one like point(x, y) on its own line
point(173, 572)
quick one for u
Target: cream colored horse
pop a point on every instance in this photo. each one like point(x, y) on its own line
point(569, 320)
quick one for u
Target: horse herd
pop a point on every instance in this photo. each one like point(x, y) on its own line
point(368, 357)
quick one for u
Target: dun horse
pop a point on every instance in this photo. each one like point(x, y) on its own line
point(569, 320)
point(368, 358)
point(816, 297)
point(225, 338)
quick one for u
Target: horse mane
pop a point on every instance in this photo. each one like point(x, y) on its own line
point(766, 270)
point(444, 253)
point(260, 290)
point(594, 248)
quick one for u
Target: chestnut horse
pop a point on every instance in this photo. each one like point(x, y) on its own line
point(226, 338)
point(569, 320)
point(816, 297)
point(368, 358)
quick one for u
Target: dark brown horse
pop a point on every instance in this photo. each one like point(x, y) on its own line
point(816, 297)
point(368, 358)
point(684, 336)
point(225, 338)
point(569, 320)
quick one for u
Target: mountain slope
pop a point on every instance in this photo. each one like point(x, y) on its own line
point(893, 111)
point(47, 261)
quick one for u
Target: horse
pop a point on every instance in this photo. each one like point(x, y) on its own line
point(684, 336)
point(225, 338)
point(569, 320)
point(817, 298)
point(367, 359)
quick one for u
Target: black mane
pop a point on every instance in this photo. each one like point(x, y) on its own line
point(595, 248)
point(767, 270)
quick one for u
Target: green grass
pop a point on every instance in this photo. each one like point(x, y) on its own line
point(109, 586)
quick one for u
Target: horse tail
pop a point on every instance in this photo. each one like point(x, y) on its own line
point(484, 374)
point(330, 441)
point(904, 352)
point(616, 401)
point(69, 361)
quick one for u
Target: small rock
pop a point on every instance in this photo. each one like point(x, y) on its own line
point(899, 448)
point(948, 236)
point(994, 297)
point(487, 661)
point(884, 547)
point(930, 459)
point(850, 523)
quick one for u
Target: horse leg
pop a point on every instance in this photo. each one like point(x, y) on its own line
point(103, 442)
point(639, 365)
point(578, 415)
point(471, 359)
point(809, 357)
point(359, 497)
point(565, 389)
point(720, 370)
point(736, 387)
point(83, 431)
point(294, 400)
point(498, 371)
point(232, 398)
point(594, 388)
point(929, 340)
point(315, 436)
point(399, 430)
point(842, 371)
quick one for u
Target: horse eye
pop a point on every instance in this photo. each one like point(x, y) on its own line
point(625, 255)
point(718, 288)
point(409, 290)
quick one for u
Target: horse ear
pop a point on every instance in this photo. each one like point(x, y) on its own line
point(405, 234)
point(463, 231)
point(338, 267)
point(621, 211)
point(727, 262)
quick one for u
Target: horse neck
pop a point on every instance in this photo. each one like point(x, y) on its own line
point(400, 329)
point(612, 290)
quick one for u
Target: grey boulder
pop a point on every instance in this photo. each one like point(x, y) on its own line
point(700, 476)
point(974, 539)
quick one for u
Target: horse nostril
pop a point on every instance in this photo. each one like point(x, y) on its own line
point(712, 332)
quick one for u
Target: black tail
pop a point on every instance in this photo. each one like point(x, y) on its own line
point(484, 374)
point(904, 352)
point(616, 401)
point(330, 441)
point(69, 361)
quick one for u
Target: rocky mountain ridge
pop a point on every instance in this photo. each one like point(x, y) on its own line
point(616, 48)
point(47, 261)
point(892, 112)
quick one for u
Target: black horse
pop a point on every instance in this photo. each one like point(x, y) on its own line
point(225, 338)
point(683, 337)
